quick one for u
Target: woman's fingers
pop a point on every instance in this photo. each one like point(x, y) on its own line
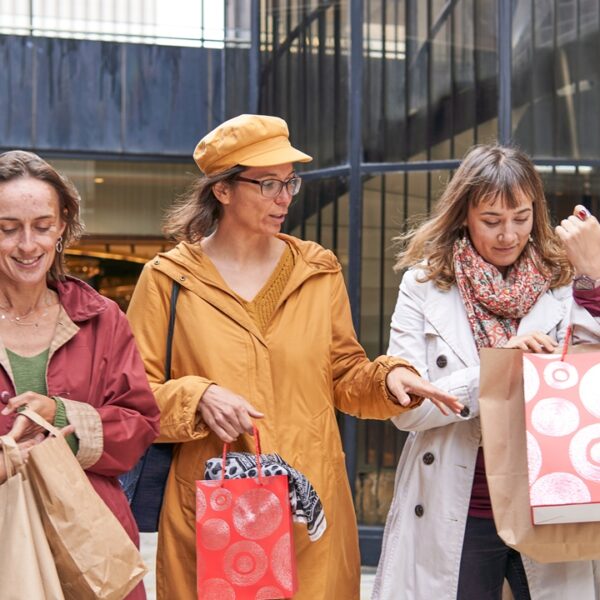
point(227, 414)
point(440, 398)
point(532, 342)
point(401, 382)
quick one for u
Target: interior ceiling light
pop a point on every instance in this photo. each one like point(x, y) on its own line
point(564, 169)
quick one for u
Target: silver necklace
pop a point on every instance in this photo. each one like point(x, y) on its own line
point(21, 320)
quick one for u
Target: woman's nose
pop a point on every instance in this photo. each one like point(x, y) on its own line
point(506, 236)
point(284, 196)
point(26, 240)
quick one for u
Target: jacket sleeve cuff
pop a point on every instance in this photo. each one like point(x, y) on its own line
point(388, 363)
point(178, 400)
point(88, 428)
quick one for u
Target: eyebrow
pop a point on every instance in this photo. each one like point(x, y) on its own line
point(492, 213)
point(275, 175)
point(17, 219)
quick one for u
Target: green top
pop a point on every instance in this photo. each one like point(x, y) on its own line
point(29, 373)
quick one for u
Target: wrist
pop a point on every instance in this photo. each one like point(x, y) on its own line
point(585, 281)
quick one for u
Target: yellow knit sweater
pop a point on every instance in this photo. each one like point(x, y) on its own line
point(263, 305)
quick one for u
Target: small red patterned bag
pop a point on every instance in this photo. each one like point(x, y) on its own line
point(244, 540)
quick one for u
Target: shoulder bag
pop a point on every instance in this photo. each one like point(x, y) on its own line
point(145, 484)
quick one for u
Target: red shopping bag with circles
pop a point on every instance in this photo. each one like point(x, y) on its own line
point(562, 417)
point(510, 388)
point(244, 539)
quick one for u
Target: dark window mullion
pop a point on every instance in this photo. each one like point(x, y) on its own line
point(475, 74)
point(382, 264)
point(453, 95)
point(556, 77)
point(532, 81)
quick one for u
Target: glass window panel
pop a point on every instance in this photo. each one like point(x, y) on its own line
point(166, 22)
point(304, 74)
point(565, 187)
point(390, 202)
point(125, 197)
point(556, 78)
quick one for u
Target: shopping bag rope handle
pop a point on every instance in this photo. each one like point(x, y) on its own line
point(259, 468)
point(566, 342)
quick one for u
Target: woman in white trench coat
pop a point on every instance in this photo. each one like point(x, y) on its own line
point(491, 272)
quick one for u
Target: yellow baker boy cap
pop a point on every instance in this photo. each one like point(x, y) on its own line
point(247, 140)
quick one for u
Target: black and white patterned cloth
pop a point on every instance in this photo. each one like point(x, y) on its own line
point(304, 501)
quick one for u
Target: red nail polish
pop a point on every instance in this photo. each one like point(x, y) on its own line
point(583, 213)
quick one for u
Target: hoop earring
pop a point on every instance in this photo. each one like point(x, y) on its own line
point(59, 244)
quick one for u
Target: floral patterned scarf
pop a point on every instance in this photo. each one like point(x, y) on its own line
point(495, 304)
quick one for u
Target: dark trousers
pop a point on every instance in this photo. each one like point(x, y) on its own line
point(486, 561)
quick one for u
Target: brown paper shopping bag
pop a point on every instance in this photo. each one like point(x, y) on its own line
point(95, 558)
point(27, 568)
point(502, 413)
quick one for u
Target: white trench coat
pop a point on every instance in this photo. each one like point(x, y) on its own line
point(424, 532)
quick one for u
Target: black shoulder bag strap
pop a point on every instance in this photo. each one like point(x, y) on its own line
point(174, 296)
point(145, 484)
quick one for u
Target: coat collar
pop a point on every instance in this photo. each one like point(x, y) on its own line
point(192, 269)
point(545, 316)
point(80, 301)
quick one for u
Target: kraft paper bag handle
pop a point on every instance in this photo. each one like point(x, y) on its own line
point(259, 468)
point(13, 461)
point(39, 420)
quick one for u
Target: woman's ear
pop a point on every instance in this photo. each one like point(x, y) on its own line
point(222, 192)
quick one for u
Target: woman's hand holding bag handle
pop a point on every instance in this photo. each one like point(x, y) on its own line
point(27, 569)
point(95, 557)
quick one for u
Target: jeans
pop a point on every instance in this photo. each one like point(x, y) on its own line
point(486, 561)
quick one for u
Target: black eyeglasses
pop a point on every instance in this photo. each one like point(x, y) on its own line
point(271, 188)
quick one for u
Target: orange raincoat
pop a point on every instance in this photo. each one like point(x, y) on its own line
point(307, 364)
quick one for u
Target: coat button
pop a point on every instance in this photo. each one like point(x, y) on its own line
point(441, 361)
point(157, 262)
point(419, 510)
point(465, 412)
point(428, 458)
point(182, 278)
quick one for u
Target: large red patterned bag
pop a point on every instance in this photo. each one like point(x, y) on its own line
point(502, 396)
point(244, 540)
point(562, 418)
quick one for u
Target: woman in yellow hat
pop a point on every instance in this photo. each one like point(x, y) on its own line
point(263, 332)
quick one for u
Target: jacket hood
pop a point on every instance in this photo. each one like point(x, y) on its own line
point(80, 301)
point(183, 261)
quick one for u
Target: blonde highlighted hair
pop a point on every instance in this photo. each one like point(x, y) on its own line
point(487, 173)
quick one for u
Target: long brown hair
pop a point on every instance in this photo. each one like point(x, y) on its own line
point(487, 173)
point(197, 211)
point(18, 163)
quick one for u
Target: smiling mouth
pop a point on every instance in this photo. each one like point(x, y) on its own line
point(27, 261)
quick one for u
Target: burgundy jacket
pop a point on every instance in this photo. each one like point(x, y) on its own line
point(94, 360)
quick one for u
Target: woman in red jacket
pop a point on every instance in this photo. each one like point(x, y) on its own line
point(65, 351)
